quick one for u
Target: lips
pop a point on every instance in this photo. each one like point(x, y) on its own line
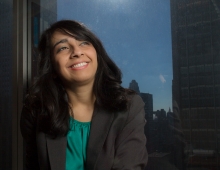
point(78, 65)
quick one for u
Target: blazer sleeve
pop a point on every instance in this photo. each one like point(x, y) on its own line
point(28, 130)
point(131, 152)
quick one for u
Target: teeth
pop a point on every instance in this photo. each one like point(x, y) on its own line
point(79, 65)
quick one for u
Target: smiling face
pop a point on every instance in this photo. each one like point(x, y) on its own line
point(75, 61)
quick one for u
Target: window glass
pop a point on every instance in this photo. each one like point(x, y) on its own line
point(169, 52)
point(6, 41)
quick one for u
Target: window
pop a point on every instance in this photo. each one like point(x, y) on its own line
point(170, 48)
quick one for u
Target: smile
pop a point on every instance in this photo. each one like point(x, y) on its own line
point(79, 65)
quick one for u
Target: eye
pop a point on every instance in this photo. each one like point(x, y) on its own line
point(62, 48)
point(85, 43)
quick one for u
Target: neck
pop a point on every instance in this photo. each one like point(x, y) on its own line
point(81, 100)
point(81, 95)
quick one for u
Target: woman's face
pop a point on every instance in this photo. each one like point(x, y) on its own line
point(75, 61)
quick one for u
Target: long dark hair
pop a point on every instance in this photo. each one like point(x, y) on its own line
point(47, 95)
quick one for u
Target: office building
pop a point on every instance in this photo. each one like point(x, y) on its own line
point(148, 108)
point(149, 128)
point(134, 86)
point(196, 70)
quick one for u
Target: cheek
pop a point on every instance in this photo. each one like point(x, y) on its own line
point(60, 61)
point(96, 58)
point(58, 65)
point(96, 64)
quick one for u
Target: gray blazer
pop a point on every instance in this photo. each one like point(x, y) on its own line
point(116, 141)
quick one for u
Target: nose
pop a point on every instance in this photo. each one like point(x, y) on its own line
point(76, 52)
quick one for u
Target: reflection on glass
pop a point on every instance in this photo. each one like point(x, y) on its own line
point(42, 15)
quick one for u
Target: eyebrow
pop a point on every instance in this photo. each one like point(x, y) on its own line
point(61, 41)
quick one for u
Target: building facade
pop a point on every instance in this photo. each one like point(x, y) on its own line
point(134, 86)
point(148, 108)
point(196, 70)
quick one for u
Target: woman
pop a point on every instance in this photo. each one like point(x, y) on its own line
point(77, 115)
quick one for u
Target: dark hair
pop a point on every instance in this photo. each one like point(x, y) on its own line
point(47, 93)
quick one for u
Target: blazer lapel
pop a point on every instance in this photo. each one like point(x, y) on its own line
point(57, 152)
point(100, 125)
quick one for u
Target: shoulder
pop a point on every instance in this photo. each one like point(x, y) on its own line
point(135, 101)
point(135, 111)
point(136, 105)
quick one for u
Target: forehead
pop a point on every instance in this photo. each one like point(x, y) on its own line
point(58, 35)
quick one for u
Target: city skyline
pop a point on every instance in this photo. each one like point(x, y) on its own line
point(136, 35)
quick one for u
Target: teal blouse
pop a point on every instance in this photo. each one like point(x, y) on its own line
point(77, 138)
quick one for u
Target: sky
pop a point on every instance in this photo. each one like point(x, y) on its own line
point(137, 36)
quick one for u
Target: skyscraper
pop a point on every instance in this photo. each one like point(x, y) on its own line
point(134, 86)
point(149, 128)
point(196, 70)
point(148, 108)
